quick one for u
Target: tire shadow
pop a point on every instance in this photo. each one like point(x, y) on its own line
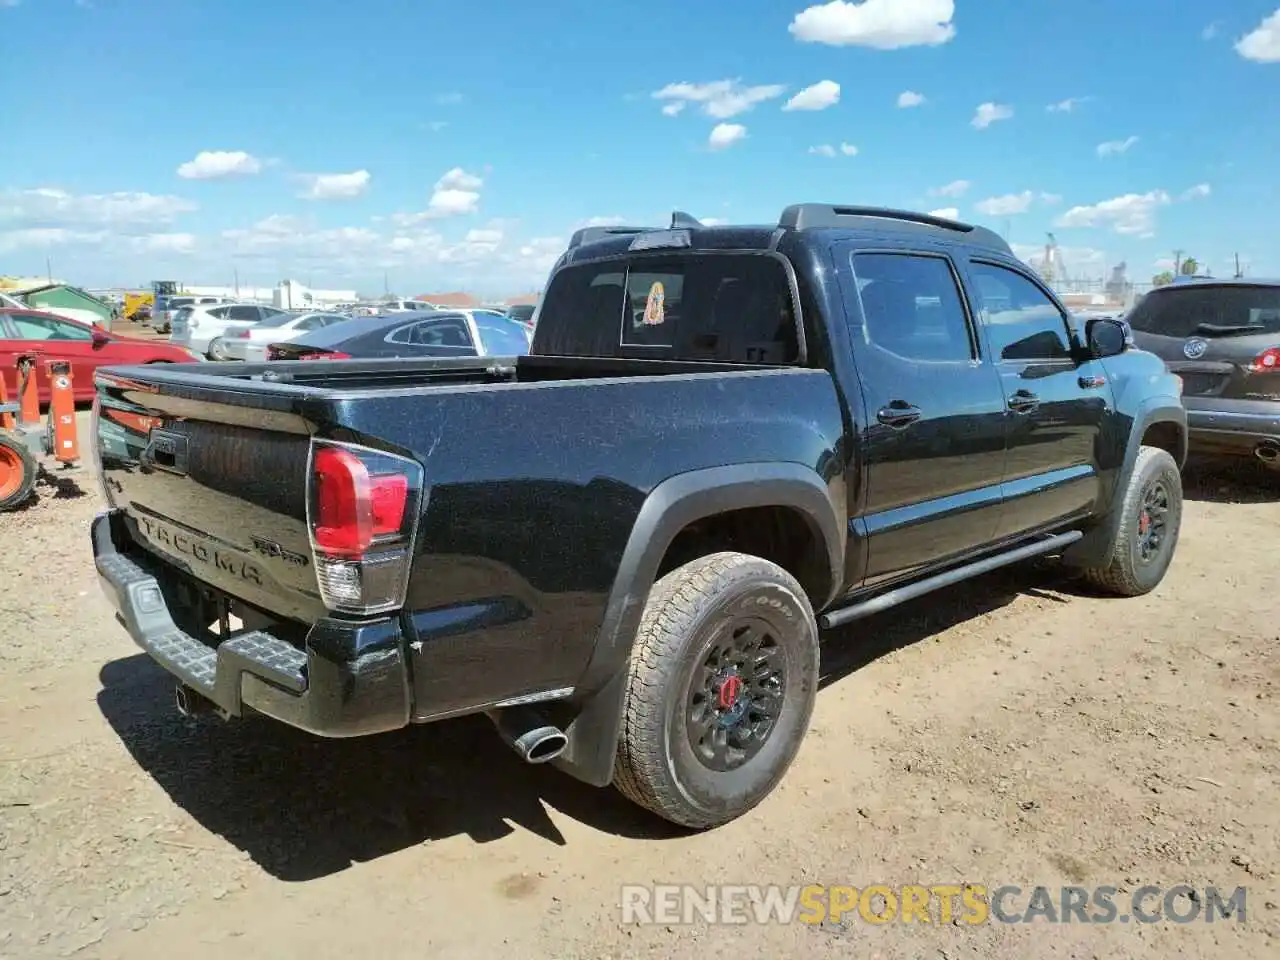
point(849, 648)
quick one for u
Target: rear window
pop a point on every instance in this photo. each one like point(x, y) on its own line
point(180, 302)
point(730, 308)
point(184, 313)
point(1208, 311)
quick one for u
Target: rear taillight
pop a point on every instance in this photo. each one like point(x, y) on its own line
point(363, 508)
point(1268, 361)
point(335, 355)
point(242, 335)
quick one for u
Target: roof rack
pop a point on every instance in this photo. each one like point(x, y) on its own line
point(679, 221)
point(815, 216)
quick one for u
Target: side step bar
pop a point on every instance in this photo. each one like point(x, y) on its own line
point(891, 598)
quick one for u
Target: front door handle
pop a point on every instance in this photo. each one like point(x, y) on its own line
point(898, 414)
point(1023, 401)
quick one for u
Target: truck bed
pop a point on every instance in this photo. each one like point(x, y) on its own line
point(535, 472)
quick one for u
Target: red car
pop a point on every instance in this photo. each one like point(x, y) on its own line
point(50, 337)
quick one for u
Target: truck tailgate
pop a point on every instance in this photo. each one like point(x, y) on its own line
point(218, 489)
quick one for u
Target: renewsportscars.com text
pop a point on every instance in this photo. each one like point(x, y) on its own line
point(969, 904)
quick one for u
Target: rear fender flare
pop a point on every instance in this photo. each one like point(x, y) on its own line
point(1098, 544)
point(669, 508)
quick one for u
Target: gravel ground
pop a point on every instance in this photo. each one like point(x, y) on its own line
point(1014, 730)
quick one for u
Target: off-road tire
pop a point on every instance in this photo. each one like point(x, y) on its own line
point(17, 460)
point(655, 766)
point(1124, 574)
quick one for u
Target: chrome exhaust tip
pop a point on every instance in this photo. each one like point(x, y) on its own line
point(190, 703)
point(1267, 452)
point(529, 734)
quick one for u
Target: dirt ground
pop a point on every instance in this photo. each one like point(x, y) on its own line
point(1014, 730)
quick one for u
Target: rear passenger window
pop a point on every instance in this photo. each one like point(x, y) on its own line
point(911, 307)
point(728, 308)
point(1022, 322)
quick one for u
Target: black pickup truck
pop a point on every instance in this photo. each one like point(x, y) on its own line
point(624, 546)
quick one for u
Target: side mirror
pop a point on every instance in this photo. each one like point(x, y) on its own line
point(1106, 337)
point(100, 338)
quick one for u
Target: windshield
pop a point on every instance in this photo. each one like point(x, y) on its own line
point(1208, 311)
point(501, 336)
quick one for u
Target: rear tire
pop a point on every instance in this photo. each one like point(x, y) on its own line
point(1151, 511)
point(699, 748)
point(18, 471)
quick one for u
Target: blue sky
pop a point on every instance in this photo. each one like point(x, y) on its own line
point(457, 145)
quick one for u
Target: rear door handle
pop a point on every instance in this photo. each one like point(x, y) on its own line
point(898, 414)
point(1023, 402)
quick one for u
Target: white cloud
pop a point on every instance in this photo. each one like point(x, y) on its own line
point(880, 24)
point(956, 188)
point(336, 186)
point(1051, 198)
point(53, 207)
point(989, 113)
point(453, 203)
point(726, 135)
point(1066, 106)
point(720, 99)
point(712, 221)
point(455, 194)
point(459, 179)
point(909, 98)
point(827, 150)
point(216, 164)
point(1262, 44)
point(1006, 205)
point(1130, 215)
point(1112, 147)
point(1199, 190)
point(823, 94)
point(947, 213)
point(1210, 31)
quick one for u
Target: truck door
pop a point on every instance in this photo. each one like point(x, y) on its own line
point(933, 445)
point(1057, 406)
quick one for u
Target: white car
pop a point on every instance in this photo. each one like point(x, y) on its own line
point(391, 306)
point(199, 328)
point(250, 343)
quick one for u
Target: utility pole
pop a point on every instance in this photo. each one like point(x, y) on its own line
point(1177, 263)
point(237, 274)
point(1238, 273)
point(48, 268)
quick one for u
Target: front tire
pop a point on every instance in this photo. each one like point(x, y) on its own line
point(722, 684)
point(1150, 523)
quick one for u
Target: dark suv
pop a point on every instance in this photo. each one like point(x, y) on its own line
point(1222, 337)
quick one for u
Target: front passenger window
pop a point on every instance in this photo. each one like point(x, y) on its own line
point(1023, 323)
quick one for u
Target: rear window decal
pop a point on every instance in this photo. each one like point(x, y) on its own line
point(654, 312)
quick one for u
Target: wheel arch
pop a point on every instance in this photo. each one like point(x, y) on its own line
point(1159, 421)
point(671, 507)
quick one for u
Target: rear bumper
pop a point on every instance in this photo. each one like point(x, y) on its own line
point(350, 680)
point(1224, 431)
